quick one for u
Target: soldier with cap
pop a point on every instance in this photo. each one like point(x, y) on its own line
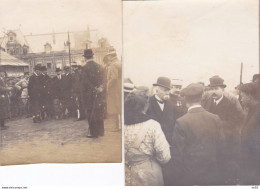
point(93, 87)
point(232, 116)
point(22, 91)
point(195, 142)
point(34, 92)
point(176, 99)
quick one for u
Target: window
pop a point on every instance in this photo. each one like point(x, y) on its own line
point(48, 66)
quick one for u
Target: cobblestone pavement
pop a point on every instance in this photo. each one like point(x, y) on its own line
point(58, 141)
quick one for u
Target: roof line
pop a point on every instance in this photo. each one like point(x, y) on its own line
point(58, 33)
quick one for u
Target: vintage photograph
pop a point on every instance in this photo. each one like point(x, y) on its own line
point(60, 81)
point(191, 92)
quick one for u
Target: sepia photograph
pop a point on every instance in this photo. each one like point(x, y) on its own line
point(60, 81)
point(191, 92)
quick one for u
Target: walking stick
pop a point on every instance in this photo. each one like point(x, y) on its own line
point(92, 112)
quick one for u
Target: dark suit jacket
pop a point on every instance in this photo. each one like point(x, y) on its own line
point(92, 78)
point(166, 118)
point(250, 147)
point(34, 87)
point(195, 148)
point(229, 111)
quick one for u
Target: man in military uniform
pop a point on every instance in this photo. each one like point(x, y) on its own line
point(34, 92)
point(175, 98)
point(93, 87)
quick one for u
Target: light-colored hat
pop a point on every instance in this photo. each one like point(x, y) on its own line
point(128, 87)
point(176, 82)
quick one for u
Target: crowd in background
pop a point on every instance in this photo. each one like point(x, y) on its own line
point(198, 135)
point(74, 92)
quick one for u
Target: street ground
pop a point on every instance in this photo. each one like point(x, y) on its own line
point(57, 141)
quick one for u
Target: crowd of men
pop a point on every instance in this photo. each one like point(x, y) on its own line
point(90, 91)
point(214, 136)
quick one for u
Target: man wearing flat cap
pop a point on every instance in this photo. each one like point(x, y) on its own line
point(232, 116)
point(93, 87)
point(195, 142)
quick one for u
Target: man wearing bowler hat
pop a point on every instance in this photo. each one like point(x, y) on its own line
point(232, 116)
point(162, 110)
point(93, 88)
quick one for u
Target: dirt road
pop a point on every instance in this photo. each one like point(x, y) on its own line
point(57, 141)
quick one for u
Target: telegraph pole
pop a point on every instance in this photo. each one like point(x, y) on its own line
point(69, 48)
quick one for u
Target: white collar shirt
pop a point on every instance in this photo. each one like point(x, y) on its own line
point(218, 101)
point(194, 106)
point(160, 104)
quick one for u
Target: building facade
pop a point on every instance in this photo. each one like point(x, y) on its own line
point(54, 50)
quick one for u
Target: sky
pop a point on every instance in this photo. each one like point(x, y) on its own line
point(45, 16)
point(190, 40)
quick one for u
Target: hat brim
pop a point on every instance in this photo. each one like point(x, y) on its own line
point(88, 55)
point(156, 84)
point(223, 86)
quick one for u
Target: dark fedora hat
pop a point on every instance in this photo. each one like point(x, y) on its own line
point(88, 53)
point(256, 77)
point(66, 68)
point(58, 70)
point(38, 67)
point(163, 82)
point(216, 81)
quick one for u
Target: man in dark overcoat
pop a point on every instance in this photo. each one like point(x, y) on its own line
point(4, 102)
point(195, 142)
point(77, 91)
point(34, 92)
point(66, 95)
point(93, 87)
point(45, 94)
point(163, 111)
point(232, 116)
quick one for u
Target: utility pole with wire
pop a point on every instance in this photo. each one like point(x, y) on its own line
point(69, 48)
